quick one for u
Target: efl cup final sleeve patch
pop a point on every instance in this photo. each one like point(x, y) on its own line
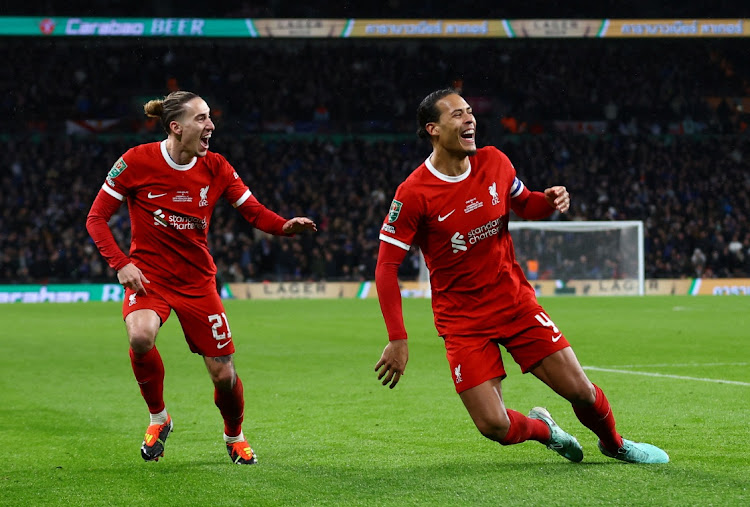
point(394, 211)
point(116, 170)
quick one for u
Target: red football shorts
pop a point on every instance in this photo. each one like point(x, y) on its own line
point(203, 320)
point(529, 338)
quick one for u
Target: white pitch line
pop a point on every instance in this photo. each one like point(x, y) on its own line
point(678, 365)
point(662, 375)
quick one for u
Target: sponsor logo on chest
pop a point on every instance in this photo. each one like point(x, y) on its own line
point(179, 222)
point(459, 241)
point(490, 229)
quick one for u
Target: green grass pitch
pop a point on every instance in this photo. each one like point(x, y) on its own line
point(327, 433)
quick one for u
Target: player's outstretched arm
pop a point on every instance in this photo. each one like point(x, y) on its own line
point(539, 205)
point(266, 220)
point(393, 362)
point(299, 224)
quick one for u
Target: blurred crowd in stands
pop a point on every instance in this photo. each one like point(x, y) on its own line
point(326, 129)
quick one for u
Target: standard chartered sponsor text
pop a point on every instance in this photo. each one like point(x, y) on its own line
point(491, 228)
point(180, 222)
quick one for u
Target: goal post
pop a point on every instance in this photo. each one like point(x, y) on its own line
point(581, 250)
point(577, 250)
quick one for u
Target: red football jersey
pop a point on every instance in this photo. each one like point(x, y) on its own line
point(461, 225)
point(170, 208)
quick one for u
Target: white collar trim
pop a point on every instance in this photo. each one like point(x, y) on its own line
point(445, 177)
point(172, 163)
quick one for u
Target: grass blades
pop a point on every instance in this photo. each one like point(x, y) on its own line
point(327, 433)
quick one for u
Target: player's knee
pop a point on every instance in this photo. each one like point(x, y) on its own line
point(141, 340)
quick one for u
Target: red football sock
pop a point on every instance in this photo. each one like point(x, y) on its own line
point(523, 428)
point(599, 419)
point(149, 372)
point(232, 407)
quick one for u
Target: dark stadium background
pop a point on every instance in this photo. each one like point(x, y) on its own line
point(326, 128)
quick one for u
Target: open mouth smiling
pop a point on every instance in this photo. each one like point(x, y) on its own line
point(204, 140)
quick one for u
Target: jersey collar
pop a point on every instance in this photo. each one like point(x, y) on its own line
point(445, 177)
point(172, 163)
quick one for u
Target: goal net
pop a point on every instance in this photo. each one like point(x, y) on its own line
point(566, 251)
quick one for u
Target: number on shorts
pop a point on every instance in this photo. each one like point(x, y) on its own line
point(217, 321)
point(546, 321)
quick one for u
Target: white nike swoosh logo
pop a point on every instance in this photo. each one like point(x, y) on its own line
point(555, 338)
point(153, 196)
point(222, 345)
point(441, 218)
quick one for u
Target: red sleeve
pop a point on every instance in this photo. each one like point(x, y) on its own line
point(390, 258)
point(261, 217)
point(531, 205)
point(97, 224)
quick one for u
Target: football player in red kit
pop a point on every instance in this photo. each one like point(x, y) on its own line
point(455, 207)
point(171, 188)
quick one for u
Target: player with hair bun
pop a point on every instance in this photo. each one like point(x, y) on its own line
point(171, 188)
